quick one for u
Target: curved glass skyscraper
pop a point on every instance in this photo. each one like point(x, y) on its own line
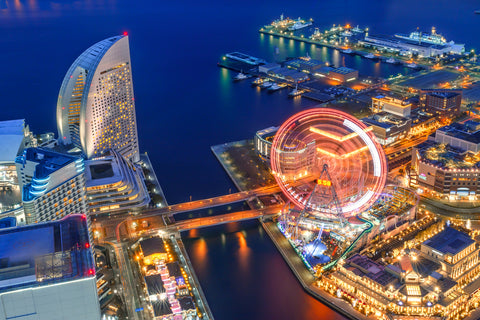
point(96, 107)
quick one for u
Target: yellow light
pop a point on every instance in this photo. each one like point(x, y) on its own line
point(335, 137)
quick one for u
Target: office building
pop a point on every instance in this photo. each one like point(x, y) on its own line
point(391, 105)
point(289, 75)
point(52, 184)
point(115, 185)
point(96, 107)
point(304, 64)
point(343, 74)
point(263, 142)
point(47, 272)
point(449, 163)
point(388, 128)
point(15, 136)
point(441, 103)
point(464, 136)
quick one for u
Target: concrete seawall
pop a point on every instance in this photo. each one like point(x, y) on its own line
point(305, 277)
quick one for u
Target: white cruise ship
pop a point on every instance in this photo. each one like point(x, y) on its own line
point(418, 36)
point(299, 24)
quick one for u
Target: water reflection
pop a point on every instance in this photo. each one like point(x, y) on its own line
point(225, 84)
point(244, 277)
point(200, 255)
point(18, 5)
point(376, 69)
point(243, 251)
point(20, 9)
point(336, 58)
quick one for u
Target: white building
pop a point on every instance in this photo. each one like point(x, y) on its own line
point(15, 136)
point(391, 105)
point(96, 107)
point(115, 185)
point(51, 278)
point(52, 184)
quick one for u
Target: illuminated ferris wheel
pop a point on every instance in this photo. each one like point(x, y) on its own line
point(328, 162)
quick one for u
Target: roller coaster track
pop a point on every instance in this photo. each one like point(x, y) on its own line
point(352, 245)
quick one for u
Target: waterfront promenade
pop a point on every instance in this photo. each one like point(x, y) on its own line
point(301, 272)
point(305, 277)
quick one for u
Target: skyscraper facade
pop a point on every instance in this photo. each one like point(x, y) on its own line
point(96, 107)
point(52, 184)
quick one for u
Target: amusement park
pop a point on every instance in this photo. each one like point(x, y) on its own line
point(364, 235)
point(333, 173)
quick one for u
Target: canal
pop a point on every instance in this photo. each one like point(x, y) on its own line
point(244, 277)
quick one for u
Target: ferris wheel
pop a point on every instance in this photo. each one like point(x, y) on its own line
point(328, 162)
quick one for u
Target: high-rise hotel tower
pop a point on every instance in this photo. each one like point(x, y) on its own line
point(96, 107)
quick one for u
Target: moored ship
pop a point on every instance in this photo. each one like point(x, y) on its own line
point(242, 57)
point(418, 36)
point(299, 24)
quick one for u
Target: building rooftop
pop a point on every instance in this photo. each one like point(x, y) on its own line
point(106, 170)
point(443, 94)
point(447, 157)
point(343, 70)
point(371, 270)
point(152, 245)
point(186, 303)
point(393, 101)
point(11, 135)
point(154, 284)
point(289, 73)
point(44, 253)
point(157, 293)
point(462, 132)
point(174, 269)
point(385, 120)
point(449, 241)
point(304, 63)
point(267, 132)
point(48, 161)
point(8, 222)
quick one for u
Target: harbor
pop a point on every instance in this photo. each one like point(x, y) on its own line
point(415, 50)
point(314, 79)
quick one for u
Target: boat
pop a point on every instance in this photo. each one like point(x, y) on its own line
point(477, 11)
point(371, 56)
point(357, 30)
point(241, 76)
point(391, 60)
point(347, 51)
point(412, 65)
point(346, 33)
point(258, 81)
point(242, 57)
point(275, 87)
point(419, 36)
point(295, 92)
point(281, 23)
point(266, 84)
point(299, 24)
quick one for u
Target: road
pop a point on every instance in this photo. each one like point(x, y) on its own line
point(224, 218)
point(129, 285)
point(199, 204)
point(438, 207)
point(405, 144)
